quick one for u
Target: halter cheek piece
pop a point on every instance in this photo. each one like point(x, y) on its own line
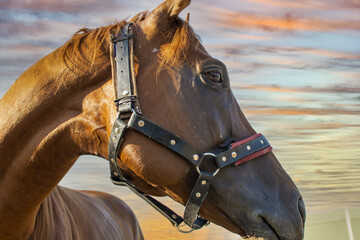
point(128, 108)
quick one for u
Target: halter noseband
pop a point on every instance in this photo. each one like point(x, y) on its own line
point(129, 108)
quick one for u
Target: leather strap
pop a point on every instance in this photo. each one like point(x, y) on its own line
point(241, 151)
point(115, 140)
point(184, 149)
point(124, 79)
point(117, 177)
point(197, 197)
point(116, 137)
point(174, 218)
point(166, 138)
point(126, 101)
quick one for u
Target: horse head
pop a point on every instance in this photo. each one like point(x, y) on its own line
point(181, 88)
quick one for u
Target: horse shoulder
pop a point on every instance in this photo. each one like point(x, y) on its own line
point(71, 214)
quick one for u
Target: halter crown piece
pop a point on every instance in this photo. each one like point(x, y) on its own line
point(128, 108)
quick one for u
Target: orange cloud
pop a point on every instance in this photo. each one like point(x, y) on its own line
point(276, 88)
point(285, 57)
point(327, 126)
point(272, 88)
point(234, 35)
point(332, 54)
point(312, 51)
point(294, 100)
point(303, 4)
point(59, 6)
point(287, 22)
point(351, 3)
point(291, 4)
point(299, 111)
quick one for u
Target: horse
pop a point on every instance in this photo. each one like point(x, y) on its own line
point(63, 107)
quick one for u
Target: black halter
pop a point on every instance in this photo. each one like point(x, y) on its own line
point(128, 108)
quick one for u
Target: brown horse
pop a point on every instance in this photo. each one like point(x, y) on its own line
point(62, 107)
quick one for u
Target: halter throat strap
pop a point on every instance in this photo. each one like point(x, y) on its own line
point(128, 108)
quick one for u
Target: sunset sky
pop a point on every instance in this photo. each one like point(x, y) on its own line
point(294, 67)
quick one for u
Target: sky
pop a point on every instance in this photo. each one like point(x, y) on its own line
point(294, 67)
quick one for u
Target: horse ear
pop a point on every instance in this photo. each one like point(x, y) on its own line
point(160, 17)
point(176, 6)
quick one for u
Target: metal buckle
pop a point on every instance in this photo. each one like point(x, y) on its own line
point(208, 154)
point(123, 38)
point(125, 99)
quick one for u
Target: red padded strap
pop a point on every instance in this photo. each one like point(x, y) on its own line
point(251, 156)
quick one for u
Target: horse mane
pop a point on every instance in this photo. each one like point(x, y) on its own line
point(176, 50)
point(94, 38)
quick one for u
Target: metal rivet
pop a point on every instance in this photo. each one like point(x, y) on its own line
point(172, 142)
point(233, 154)
point(203, 182)
point(196, 157)
point(114, 139)
point(117, 130)
point(112, 160)
point(116, 174)
point(125, 93)
point(262, 142)
point(138, 110)
point(248, 147)
point(223, 159)
point(141, 123)
point(198, 194)
point(173, 216)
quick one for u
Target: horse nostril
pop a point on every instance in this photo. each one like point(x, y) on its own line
point(302, 210)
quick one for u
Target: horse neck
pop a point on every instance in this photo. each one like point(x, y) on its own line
point(43, 131)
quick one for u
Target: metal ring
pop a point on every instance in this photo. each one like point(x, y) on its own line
point(208, 154)
point(183, 224)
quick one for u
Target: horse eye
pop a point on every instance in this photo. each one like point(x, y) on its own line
point(213, 76)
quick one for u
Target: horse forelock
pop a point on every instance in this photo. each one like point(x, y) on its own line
point(177, 49)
